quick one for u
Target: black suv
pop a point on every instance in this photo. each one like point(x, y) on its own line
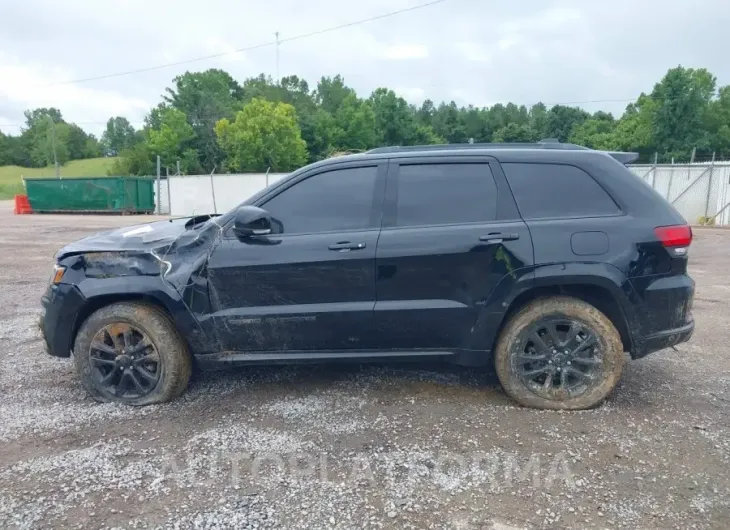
point(549, 260)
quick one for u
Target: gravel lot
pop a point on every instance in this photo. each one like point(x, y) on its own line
point(386, 446)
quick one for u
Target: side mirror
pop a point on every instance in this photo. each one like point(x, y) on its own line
point(252, 221)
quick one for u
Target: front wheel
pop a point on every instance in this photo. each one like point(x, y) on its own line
point(131, 353)
point(559, 353)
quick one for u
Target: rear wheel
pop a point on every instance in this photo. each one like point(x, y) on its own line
point(131, 353)
point(559, 353)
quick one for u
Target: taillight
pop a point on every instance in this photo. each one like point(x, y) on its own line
point(674, 237)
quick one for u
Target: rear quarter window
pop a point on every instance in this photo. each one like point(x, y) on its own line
point(556, 190)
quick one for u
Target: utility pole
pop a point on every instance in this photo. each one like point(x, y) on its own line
point(159, 188)
point(53, 143)
point(278, 79)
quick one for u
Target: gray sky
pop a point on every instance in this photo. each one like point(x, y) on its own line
point(477, 52)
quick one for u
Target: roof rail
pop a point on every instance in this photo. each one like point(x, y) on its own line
point(547, 143)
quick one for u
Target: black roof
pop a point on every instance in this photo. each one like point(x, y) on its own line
point(551, 144)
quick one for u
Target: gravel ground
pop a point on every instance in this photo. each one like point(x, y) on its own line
point(385, 446)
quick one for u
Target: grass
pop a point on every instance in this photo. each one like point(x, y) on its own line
point(10, 176)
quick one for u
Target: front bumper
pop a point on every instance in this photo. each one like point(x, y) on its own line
point(665, 339)
point(61, 305)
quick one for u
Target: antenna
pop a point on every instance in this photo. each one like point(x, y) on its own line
point(278, 79)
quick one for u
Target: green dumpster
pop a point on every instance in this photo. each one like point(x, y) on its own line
point(107, 194)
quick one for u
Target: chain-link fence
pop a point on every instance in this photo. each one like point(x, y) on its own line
point(700, 191)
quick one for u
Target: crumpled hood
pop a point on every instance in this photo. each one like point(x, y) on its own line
point(142, 237)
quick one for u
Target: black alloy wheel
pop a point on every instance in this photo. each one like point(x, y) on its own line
point(125, 363)
point(558, 358)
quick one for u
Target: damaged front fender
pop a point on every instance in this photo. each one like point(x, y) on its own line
point(164, 262)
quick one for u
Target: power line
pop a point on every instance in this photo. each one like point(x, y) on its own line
point(249, 48)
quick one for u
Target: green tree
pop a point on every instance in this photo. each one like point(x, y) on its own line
point(718, 121)
point(424, 114)
point(134, 161)
point(7, 148)
point(205, 98)
point(634, 131)
point(355, 125)
point(81, 144)
point(44, 129)
point(171, 140)
point(561, 120)
point(513, 132)
point(49, 143)
point(264, 135)
point(331, 93)
point(596, 132)
point(681, 100)
point(539, 120)
point(395, 122)
point(118, 135)
point(36, 116)
point(476, 124)
point(448, 123)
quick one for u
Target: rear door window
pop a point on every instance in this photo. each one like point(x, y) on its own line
point(557, 191)
point(436, 194)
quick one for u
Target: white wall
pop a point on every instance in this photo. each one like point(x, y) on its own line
point(193, 194)
point(695, 190)
point(686, 186)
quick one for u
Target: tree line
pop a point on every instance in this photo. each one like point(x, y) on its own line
point(207, 121)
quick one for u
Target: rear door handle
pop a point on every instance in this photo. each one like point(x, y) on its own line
point(498, 237)
point(346, 246)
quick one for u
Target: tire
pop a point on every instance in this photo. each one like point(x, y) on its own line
point(603, 361)
point(160, 340)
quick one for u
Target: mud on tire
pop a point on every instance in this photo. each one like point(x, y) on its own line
point(559, 353)
point(150, 338)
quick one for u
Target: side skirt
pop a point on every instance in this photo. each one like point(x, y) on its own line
point(220, 361)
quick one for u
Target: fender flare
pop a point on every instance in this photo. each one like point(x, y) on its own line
point(557, 275)
point(151, 288)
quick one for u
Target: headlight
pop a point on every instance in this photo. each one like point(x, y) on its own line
point(58, 272)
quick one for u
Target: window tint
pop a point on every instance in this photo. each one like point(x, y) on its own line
point(554, 190)
point(336, 200)
point(431, 194)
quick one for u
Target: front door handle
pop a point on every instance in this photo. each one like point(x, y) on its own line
point(346, 246)
point(498, 237)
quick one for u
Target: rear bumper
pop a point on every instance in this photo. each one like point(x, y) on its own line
point(61, 303)
point(663, 314)
point(664, 339)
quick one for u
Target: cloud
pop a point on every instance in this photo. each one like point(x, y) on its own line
point(27, 86)
point(412, 94)
point(469, 50)
point(405, 51)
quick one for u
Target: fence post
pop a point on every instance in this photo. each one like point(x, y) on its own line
point(212, 191)
point(709, 186)
point(169, 201)
point(159, 188)
point(653, 174)
point(671, 176)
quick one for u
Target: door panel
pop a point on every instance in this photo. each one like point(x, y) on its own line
point(434, 280)
point(293, 292)
point(309, 285)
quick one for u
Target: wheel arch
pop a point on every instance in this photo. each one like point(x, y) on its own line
point(601, 285)
point(95, 303)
